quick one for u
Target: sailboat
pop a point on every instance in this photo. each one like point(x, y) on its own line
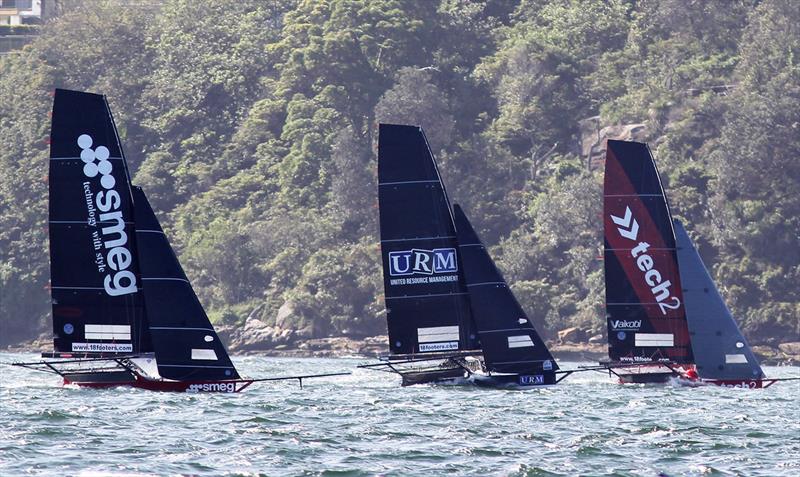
point(124, 312)
point(664, 314)
point(451, 317)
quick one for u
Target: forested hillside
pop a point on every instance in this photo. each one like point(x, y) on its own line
point(252, 127)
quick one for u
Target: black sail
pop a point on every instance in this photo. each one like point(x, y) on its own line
point(95, 287)
point(426, 299)
point(509, 341)
point(185, 343)
point(645, 312)
point(720, 349)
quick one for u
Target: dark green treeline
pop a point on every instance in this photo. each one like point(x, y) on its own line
point(251, 125)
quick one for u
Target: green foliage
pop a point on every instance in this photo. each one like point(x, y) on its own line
point(251, 125)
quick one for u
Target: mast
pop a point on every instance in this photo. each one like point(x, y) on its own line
point(97, 303)
point(185, 342)
point(720, 349)
point(645, 310)
point(509, 341)
point(426, 300)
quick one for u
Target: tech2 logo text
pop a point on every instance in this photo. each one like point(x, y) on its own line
point(628, 228)
point(120, 281)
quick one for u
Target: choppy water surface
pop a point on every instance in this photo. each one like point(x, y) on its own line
point(366, 424)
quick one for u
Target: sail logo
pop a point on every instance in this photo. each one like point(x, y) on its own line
point(626, 325)
point(531, 380)
point(629, 229)
point(422, 262)
point(212, 387)
point(120, 281)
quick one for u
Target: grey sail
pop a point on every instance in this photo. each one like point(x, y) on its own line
point(720, 349)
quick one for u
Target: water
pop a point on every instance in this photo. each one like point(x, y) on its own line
point(365, 424)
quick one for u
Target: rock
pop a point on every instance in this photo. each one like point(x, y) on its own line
point(791, 348)
point(286, 315)
point(256, 335)
point(571, 335)
point(596, 339)
point(593, 138)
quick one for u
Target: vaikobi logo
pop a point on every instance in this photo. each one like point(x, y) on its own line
point(628, 227)
point(120, 281)
point(626, 324)
point(422, 262)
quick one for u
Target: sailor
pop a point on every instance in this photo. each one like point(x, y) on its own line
point(691, 375)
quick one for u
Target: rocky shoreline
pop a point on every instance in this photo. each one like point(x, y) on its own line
point(785, 354)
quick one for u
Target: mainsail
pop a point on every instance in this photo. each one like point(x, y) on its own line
point(97, 300)
point(720, 349)
point(644, 302)
point(185, 343)
point(510, 343)
point(426, 299)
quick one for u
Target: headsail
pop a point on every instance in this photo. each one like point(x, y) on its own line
point(97, 302)
point(720, 349)
point(426, 300)
point(644, 303)
point(510, 343)
point(185, 343)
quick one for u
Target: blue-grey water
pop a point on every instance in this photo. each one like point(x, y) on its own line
point(365, 424)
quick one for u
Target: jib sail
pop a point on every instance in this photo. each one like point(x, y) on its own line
point(509, 342)
point(95, 288)
point(720, 349)
point(185, 343)
point(426, 300)
point(644, 304)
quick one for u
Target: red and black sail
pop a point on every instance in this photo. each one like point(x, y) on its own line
point(426, 299)
point(645, 310)
point(95, 287)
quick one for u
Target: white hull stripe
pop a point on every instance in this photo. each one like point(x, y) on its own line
point(149, 231)
point(204, 354)
point(179, 328)
point(437, 334)
point(520, 341)
point(192, 366)
point(735, 359)
point(654, 339)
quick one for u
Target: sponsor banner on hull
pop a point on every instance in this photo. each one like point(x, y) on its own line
point(102, 347)
point(531, 380)
point(211, 388)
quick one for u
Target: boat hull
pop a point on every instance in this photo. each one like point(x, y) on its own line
point(514, 381)
point(431, 376)
point(105, 380)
